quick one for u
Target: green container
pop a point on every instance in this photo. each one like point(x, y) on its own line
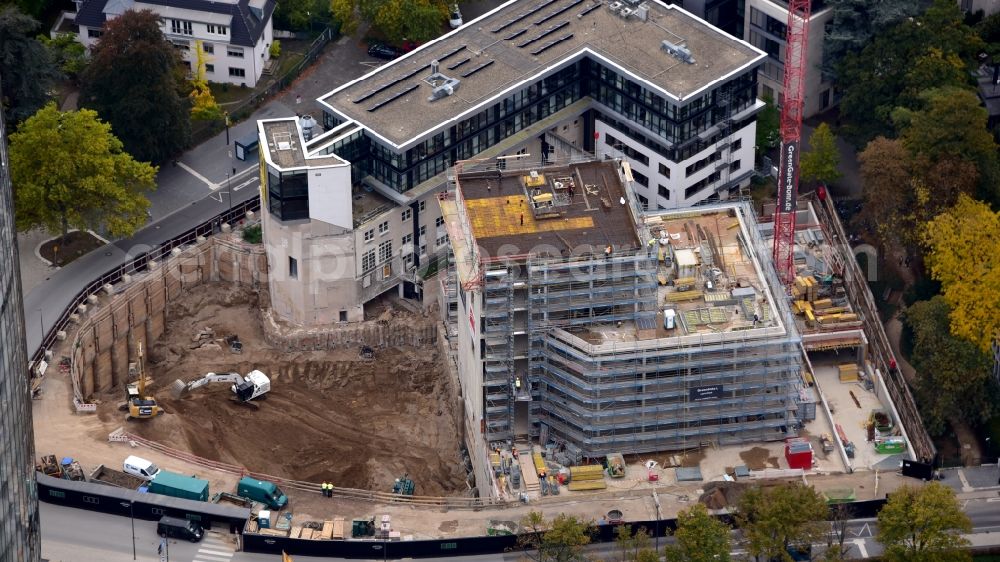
point(891, 446)
point(179, 486)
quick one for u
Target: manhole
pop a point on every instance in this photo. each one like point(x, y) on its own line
point(107, 253)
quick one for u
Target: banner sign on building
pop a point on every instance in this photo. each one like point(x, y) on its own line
point(702, 393)
point(788, 174)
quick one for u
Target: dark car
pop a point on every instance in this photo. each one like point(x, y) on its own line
point(175, 528)
point(381, 51)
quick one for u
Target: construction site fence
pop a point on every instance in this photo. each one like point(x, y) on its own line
point(302, 486)
point(879, 351)
point(136, 265)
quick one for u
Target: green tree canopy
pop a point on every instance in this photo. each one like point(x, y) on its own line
point(964, 255)
point(778, 518)
point(923, 525)
point(954, 376)
point(68, 53)
point(69, 171)
point(855, 22)
point(398, 20)
point(882, 76)
point(699, 537)
point(635, 547)
point(821, 161)
point(768, 122)
point(27, 69)
point(560, 540)
point(299, 14)
point(133, 83)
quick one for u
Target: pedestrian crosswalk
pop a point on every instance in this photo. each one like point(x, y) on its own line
point(214, 549)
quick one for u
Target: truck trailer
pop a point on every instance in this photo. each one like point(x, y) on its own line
point(179, 486)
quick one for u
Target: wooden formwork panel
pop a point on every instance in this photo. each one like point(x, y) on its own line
point(157, 301)
point(119, 360)
point(87, 345)
point(104, 332)
point(227, 272)
point(103, 379)
point(174, 286)
point(119, 315)
point(138, 309)
point(155, 326)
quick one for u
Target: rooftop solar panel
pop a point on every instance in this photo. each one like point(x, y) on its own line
point(393, 98)
point(478, 68)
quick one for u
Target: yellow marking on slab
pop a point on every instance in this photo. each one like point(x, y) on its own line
point(501, 216)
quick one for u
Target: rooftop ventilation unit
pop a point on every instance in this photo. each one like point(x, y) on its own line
point(626, 12)
point(642, 11)
point(615, 6)
point(678, 51)
point(441, 86)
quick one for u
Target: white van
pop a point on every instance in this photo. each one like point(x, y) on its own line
point(140, 467)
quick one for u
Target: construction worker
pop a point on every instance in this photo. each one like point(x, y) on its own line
point(329, 489)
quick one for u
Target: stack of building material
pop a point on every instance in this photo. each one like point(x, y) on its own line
point(327, 531)
point(338, 528)
point(539, 463)
point(848, 372)
point(587, 477)
point(805, 287)
point(798, 453)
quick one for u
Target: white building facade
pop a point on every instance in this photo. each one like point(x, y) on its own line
point(235, 36)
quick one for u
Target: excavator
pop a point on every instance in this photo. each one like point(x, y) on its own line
point(139, 405)
point(245, 389)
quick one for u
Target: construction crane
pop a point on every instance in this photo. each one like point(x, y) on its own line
point(797, 40)
point(137, 403)
point(245, 389)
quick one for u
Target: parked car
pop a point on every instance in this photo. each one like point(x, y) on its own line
point(138, 466)
point(385, 52)
point(455, 19)
point(172, 527)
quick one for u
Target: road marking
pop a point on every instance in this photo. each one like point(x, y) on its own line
point(214, 549)
point(195, 173)
point(860, 543)
point(862, 530)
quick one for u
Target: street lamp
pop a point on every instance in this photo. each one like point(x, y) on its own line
point(131, 516)
point(656, 502)
point(229, 184)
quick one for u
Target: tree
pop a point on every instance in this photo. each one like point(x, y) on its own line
point(954, 376)
point(133, 83)
point(300, 14)
point(855, 22)
point(774, 520)
point(768, 120)
point(699, 537)
point(820, 162)
point(398, 20)
point(963, 246)
point(69, 54)
point(951, 125)
point(923, 525)
point(26, 66)
point(635, 547)
point(203, 105)
point(70, 171)
point(561, 540)
point(885, 168)
point(875, 79)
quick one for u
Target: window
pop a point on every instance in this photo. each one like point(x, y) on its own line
point(407, 214)
point(208, 48)
point(439, 222)
point(824, 99)
point(181, 27)
point(94, 33)
point(421, 206)
point(209, 67)
point(368, 261)
point(234, 52)
point(664, 171)
point(385, 251)
point(442, 240)
point(640, 179)
point(293, 267)
point(343, 316)
point(369, 235)
point(714, 157)
point(423, 249)
point(664, 192)
point(408, 239)
point(643, 202)
point(738, 144)
point(239, 72)
point(220, 29)
point(423, 230)
point(734, 166)
point(383, 227)
point(183, 46)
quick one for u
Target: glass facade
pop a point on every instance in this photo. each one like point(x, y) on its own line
point(288, 194)
point(678, 125)
point(19, 539)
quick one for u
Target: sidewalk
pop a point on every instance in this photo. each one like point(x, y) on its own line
point(33, 270)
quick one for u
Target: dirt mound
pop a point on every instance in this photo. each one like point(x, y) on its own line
point(719, 495)
point(330, 416)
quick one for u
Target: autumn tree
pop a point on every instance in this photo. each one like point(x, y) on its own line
point(398, 20)
point(775, 520)
point(821, 161)
point(26, 66)
point(559, 540)
point(635, 546)
point(963, 253)
point(885, 167)
point(953, 375)
point(70, 172)
point(923, 524)
point(203, 105)
point(699, 537)
point(134, 84)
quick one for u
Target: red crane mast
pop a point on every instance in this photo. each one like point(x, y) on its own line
point(797, 41)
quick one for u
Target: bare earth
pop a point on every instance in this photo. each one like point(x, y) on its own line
point(330, 416)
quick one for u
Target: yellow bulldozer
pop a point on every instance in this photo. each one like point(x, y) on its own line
point(139, 405)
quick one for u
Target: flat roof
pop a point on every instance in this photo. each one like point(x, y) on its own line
point(524, 39)
point(559, 211)
point(285, 147)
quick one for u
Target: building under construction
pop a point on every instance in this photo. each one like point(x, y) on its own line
point(582, 321)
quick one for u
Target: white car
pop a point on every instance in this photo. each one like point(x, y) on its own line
point(140, 467)
point(455, 19)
